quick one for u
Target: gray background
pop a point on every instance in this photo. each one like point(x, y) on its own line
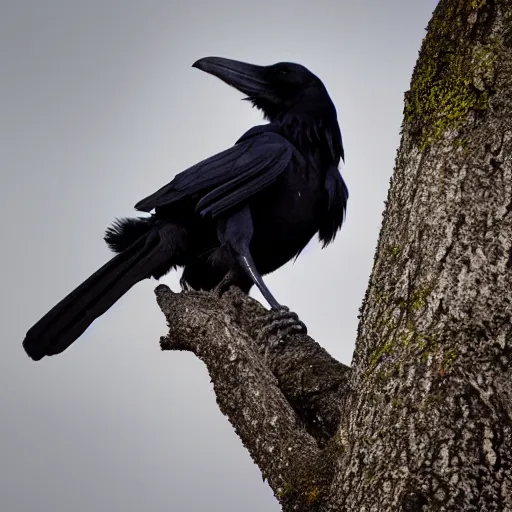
point(99, 107)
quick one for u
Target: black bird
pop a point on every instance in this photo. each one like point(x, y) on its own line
point(231, 218)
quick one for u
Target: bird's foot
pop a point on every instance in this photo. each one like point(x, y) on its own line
point(224, 284)
point(279, 323)
point(185, 287)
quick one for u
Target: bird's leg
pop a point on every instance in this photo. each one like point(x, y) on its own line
point(244, 259)
point(225, 283)
point(280, 321)
point(237, 232)
point(185, 287)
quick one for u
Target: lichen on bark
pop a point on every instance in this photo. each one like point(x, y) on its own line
point(434, 343)
point(453, 75)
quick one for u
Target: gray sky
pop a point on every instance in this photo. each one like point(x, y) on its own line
point(99, 106)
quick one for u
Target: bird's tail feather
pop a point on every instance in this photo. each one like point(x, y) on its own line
point(123, 232)
point(152, 254)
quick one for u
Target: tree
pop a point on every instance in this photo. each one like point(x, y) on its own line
point(422, 420)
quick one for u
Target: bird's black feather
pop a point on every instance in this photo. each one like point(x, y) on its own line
point(123, 232)
point(227, 179)
point(231, 218)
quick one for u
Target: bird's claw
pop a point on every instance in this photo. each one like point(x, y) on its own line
point(279, 323)
point(222, 287)
point(185, 287)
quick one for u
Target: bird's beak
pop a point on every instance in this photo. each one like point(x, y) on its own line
point(247, 78)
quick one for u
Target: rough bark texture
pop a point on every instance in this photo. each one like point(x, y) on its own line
point(423, 418)
point(256, 394)
point(430, 420)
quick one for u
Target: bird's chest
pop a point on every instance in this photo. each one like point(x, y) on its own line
point(293, 201)
point(287, 216)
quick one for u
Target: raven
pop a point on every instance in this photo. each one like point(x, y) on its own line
point(231, 218)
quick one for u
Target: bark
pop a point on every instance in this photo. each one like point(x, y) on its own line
point(423, 418)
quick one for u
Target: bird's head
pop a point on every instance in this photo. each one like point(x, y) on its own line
point(274, 89)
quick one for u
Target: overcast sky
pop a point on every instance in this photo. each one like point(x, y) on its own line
point(99, 106)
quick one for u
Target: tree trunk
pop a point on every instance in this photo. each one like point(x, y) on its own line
point(423, 418)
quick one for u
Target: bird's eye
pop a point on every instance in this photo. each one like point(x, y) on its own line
point(282, 72)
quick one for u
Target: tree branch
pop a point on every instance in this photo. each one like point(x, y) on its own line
point(313, 382)
point(281, 397)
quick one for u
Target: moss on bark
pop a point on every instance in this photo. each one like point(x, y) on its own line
point(452, 76)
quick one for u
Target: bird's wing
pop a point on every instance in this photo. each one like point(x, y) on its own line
point(336, 199)
point(227, 178)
